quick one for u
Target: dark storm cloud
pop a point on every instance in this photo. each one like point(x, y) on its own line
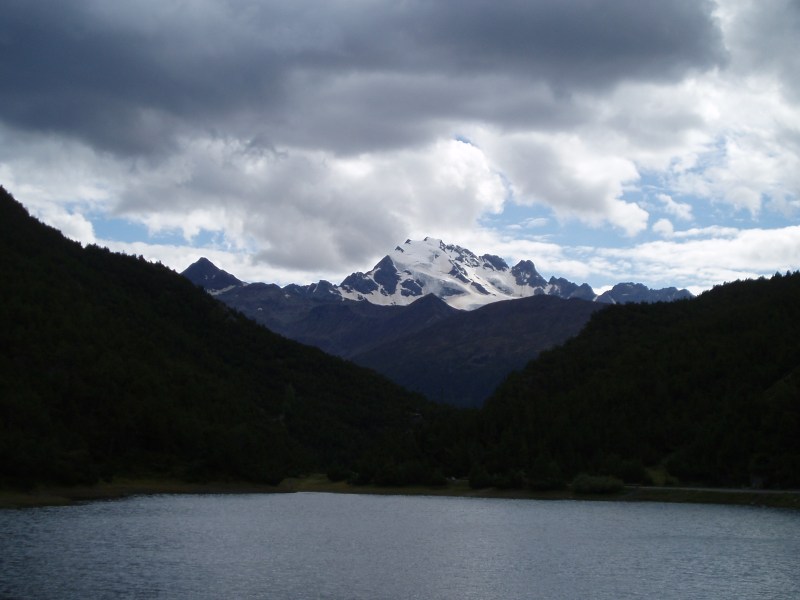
point(129, 89)
point(350, 75)
point(767, 41)
point(579, 43)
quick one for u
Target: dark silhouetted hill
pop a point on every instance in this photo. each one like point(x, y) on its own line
point(111, 365)
point(706, 390)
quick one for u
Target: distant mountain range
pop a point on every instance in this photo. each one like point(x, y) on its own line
point(458, 276)
point(435, 318)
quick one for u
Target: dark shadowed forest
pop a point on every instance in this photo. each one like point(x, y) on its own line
point(111, 366)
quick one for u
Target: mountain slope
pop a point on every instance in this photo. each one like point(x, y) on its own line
point(451, 356)
point(338, 326)
point(706, 388)
point(461, 360)
point(398, 322)
point(112, 365)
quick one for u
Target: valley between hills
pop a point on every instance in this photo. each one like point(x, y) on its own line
point(434, 318)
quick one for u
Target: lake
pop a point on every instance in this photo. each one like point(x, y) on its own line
point(314, 545)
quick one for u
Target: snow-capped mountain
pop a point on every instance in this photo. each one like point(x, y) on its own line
point(401, 318)
point(467, 281)
point(461, 278)
point(455, 274)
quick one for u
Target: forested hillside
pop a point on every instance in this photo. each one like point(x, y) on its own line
point(460, 360)
point(112, 365)
point(708, 389)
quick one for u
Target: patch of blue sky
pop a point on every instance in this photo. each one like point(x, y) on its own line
point(538, 222)
point(654, 194)
point(773, 219)
point(719, 213)
point(120, 230)
point(532, 219)
point(125, 230)
point(711, 211)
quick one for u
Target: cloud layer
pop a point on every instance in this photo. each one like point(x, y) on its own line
point(310, 137)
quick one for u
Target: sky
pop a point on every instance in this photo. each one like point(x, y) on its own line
point(655, 141)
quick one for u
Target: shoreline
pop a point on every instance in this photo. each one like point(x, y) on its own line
point(685, 495)
point(124, 488)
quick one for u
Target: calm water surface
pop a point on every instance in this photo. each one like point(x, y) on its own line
point(360, 546)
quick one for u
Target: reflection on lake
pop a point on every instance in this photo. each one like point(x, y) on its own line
point(359, 546)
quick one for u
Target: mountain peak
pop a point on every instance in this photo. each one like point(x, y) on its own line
point(525, 273)
point(453, 274)
point(465, 280)
point(623, 293)
point(494, 262)
point(211, 278)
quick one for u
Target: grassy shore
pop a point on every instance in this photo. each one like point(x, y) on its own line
point(54, 496)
